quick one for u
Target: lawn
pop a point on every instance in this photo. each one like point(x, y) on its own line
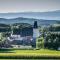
point(42, 53)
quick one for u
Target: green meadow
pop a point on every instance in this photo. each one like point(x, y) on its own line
point(29, 54)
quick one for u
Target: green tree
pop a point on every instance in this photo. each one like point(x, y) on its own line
point(2, 39)
point(39, 43)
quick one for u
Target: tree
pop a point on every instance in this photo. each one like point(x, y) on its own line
point(52, 41)
point(2, 40)
point(39, 43)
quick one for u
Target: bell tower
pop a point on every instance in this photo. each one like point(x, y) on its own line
point(35, 30)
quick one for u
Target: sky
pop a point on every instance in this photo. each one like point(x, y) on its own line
point(29, 5)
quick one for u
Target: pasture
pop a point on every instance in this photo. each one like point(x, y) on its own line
point(29, 54)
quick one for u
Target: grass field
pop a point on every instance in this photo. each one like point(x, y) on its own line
point(17, 54)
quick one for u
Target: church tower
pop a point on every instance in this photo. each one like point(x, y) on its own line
point(35, 30)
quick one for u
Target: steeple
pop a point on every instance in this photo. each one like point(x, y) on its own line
point(35, 30)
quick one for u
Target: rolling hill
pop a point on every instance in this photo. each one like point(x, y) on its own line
point(28, 20)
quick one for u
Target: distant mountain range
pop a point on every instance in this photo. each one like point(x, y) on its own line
point(51, 15)
point(28, 20)
point(43, 18)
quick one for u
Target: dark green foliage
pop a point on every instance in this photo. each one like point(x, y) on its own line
point(55, 27)
point(6, 50)
point(29, 57)
point(5, 28)
point(4, 25)
point(22, 25)
point(52, 41)
point(22, 29)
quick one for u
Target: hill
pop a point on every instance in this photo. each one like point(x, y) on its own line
point(28, 20)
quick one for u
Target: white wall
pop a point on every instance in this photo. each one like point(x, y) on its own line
point(35, 32)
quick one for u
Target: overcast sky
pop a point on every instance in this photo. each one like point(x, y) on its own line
point(29, 5)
